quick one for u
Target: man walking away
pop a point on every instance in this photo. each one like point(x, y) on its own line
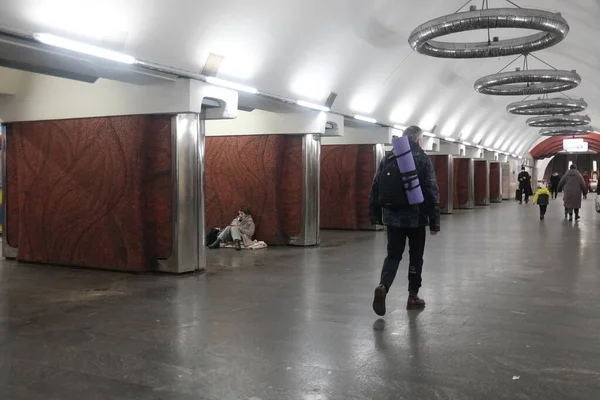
point(406, 223)
point(554, 181)
point(525, 185)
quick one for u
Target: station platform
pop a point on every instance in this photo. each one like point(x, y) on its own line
point(513, 312)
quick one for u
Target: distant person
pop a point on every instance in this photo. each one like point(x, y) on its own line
point(586, 180)
point(573, 186)
point(407, 222)
point(554, 181)
point(240, 231)
point(525, 185)
point(542, 199)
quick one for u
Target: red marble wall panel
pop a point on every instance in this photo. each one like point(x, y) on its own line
point(158, 184)
point(346, 175)
point(482, 177)
point(338, 186)
point(461, 181)
point(440, 163)
point(84, 191)
point(260, 172)
point(495, 182)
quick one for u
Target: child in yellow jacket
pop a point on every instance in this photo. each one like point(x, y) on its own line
point(542, 198)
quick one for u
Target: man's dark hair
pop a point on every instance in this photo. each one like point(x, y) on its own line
point(573, 166)
point(414, 133)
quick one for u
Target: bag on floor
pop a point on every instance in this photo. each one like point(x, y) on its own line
point(212, 236)
point(519, 195)
point(598, 204)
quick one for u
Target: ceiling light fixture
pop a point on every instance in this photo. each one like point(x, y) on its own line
point(365, 119)
point(83, 48)
point(312, 105)
point(449, 139)
point(567, 131)
point(467, 144)
point(550, 121)
point(231, 85)
point(553, 26)
point(526, 83)
point(429, 134)
point(547, 107)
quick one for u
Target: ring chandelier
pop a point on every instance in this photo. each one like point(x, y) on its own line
point(529, 82)
point(554, 28)
point(551, 121)
point(567, 131)
point(547, 107)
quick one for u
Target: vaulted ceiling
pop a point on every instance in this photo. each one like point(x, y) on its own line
point(355, 48)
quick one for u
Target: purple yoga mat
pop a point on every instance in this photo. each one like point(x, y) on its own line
point(406, 165)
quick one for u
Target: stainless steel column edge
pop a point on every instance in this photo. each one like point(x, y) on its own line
point(487, 184)
point(471, 185)
point(200, 193)
point(311, 193)
point(450, 207)
point(184, 148)
point(7, 250)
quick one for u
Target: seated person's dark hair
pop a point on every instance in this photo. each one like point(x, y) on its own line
point(246, 210)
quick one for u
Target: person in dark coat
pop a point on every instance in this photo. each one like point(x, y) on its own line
point(525, 185)
point(554, 181)
point(574, 186)
point(407, 224)
point(587, 180)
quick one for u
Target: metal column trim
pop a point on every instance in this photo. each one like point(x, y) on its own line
point(311, 193)
point(187, 144)
point(450, 205)
point(7, 250)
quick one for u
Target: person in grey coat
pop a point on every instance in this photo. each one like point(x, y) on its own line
point(573, 186)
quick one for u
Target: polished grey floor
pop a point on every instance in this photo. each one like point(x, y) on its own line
point(513, 313)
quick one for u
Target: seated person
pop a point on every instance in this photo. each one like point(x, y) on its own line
point(240, 230)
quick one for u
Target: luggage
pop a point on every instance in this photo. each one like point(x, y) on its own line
point(212, 236)
point(519, 195)
point(598, 204)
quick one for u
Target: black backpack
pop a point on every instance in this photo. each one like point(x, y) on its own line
point(392, 194)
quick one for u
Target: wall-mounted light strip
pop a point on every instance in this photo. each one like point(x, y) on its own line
point(231, 85)
point(449, 139)
point(365, 119)
point(467, 144)
point(312, 105)
point(428, 134)
point(83, 48)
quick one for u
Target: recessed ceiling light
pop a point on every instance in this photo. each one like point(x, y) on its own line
point(83, 48)
point(231, 85)
point(312, 105)
point(365, 119)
